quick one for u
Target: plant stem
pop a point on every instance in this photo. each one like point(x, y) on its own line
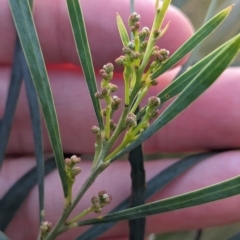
point(61, 222)
point(79, 216)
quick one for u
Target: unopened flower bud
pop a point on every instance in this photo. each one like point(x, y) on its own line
point(131, 120)
point(95, 129)
point(45, 227)
point(116, 101)
point(134, 55)
point(144, 45)
point(108, 67)
point(104, 92)
point(126, 50)
point(75, 159)
point(120, 60)
point(112, 125)
point(98, 95)
point(75, 171)
point(133, 18)
point(113, 87)
point(154, 101)
point(131, 45)
point(153, 113)
point(103, 74)
point(68, 162)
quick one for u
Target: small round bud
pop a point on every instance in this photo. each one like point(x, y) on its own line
point(45, 227)
point(68, 162)
point(134, 55)
point(144, 45)
point(98, 95)
point(131, 45)
point(133, 18)
point(116, 101)
point(101, 193)
point(104, 92)
point(131, 120)
point(108, 67)
point(146, 30)
point(103, 74)
point(75, 171)
point(95, 129)
point(126, 50)
point(113, 87)
point(154, 101)
point(153, 114)
point(106, 198)
point(120, 60)
point(75, 159)
point(95, 200)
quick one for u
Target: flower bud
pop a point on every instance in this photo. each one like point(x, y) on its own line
point(45, 228)
point(154, 101)
point(75, 171)
point(131, 45)
point(120, 60)
point(95, 129)
point(68, 162)
point(98, 95)
point(116, 101)
point(104, 92)
point(133, 18)
point(153, 113)
point(75, 159)
point(113, 87)
point(108, 67)
point(131, 120)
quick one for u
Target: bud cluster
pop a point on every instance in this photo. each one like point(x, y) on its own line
point(152, 108)
point(71, 170)
point(45, 228)
point(160, 55)
point(133, 21)
point(131, 120)
point(99, 202)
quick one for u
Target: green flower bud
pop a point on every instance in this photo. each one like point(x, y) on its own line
point(108, 67)
point(131, 120)
point(120, 60)
point(113, 87)
point(154, 101)
point(95, 129)
point(75, 159)
point(75, 171)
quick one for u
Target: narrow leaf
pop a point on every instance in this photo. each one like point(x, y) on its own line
point(23, 20)
point(122, 31)
point(192, 42)
point(212, 193)
point(37, 131)
point(81, 41)
point(154, 185)
point(12, 98)
point(175, 87)
point(194, 89)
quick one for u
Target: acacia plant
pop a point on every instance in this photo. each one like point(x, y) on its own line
point(142, 62)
